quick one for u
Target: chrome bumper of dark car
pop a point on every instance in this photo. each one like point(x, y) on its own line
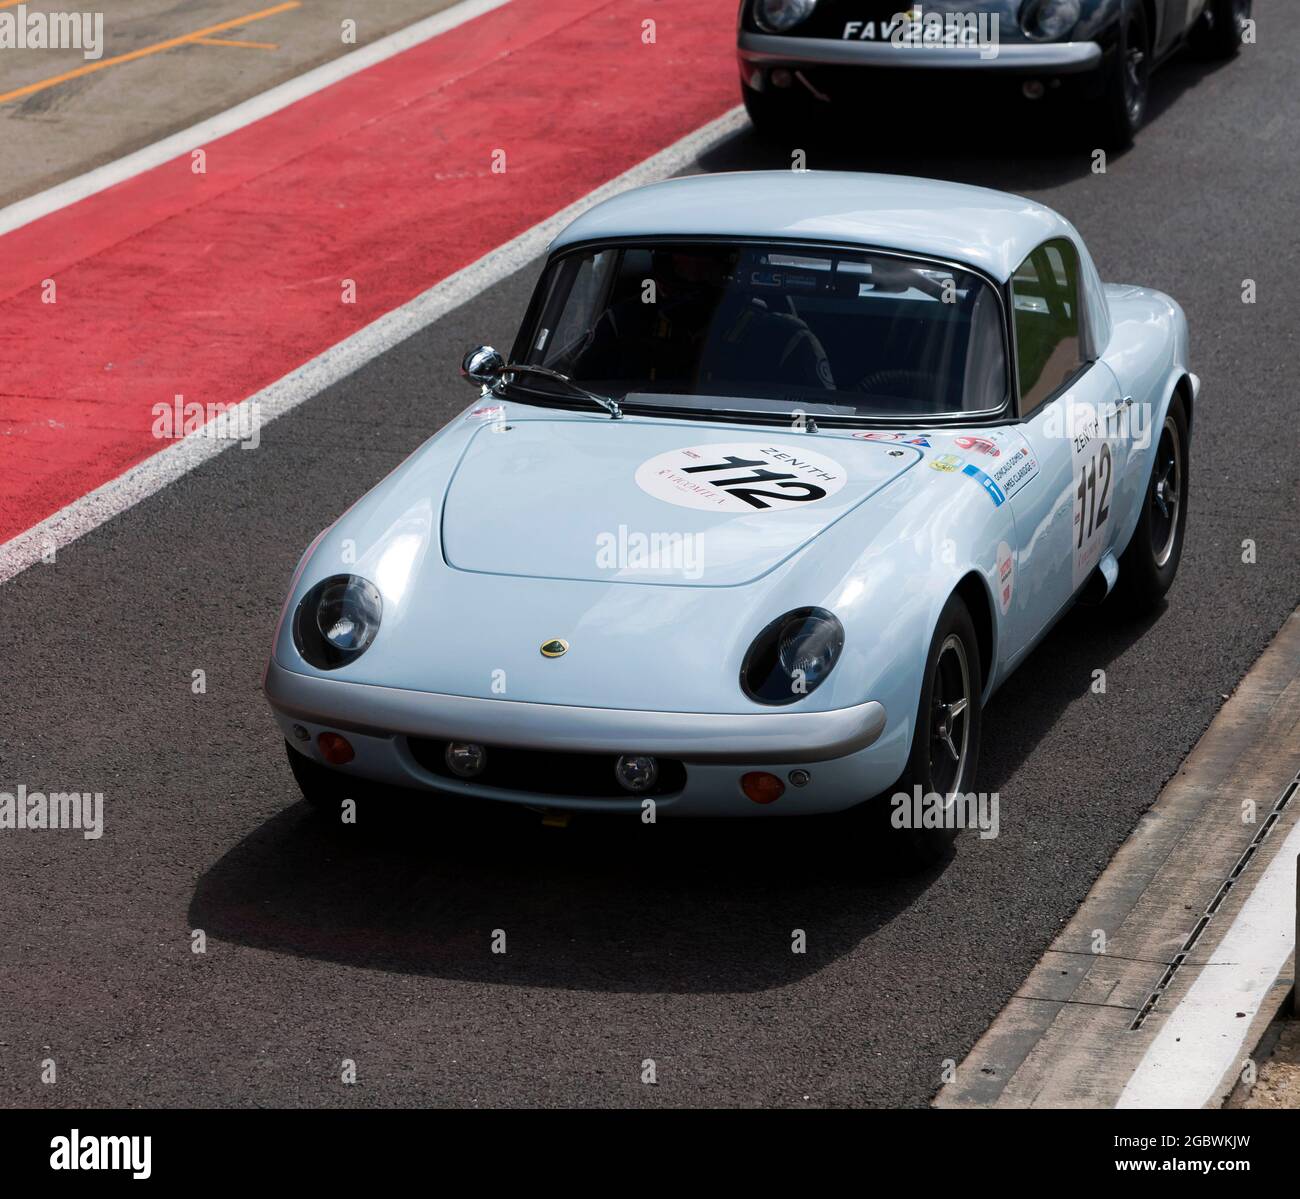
point(771, 736)
point(762, 50)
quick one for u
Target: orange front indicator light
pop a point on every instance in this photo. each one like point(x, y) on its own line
point(335, 749)
point(762, 787)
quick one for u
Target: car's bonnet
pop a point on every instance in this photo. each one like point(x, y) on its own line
point(649, 501)
point(559, 490)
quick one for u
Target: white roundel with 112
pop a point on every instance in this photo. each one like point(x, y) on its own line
point(749, 476)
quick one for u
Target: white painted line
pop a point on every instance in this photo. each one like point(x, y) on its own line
point(254, 109)
point(1203, 1037)
point(340, 360)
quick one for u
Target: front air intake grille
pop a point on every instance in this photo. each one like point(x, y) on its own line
point(548, 773)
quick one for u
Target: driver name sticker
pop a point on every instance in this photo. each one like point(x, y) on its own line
point(750, 476)
point(1014, 465)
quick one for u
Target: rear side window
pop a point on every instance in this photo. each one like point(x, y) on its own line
point(1045, 292)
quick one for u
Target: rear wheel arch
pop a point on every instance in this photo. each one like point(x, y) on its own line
point(1146, 572)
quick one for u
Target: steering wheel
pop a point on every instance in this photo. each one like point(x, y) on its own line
point(905, 383)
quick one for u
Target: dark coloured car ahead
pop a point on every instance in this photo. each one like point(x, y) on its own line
point(801, 60)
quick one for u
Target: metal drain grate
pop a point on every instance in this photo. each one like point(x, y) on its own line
point(1216, 903)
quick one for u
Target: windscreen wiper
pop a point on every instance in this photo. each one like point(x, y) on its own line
point(523, 368)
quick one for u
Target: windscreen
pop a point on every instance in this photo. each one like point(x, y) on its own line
point(826, 331)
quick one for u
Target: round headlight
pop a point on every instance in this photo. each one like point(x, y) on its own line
point(347, 614)
point(337, 620)
point(809, 651)
point(1050, 19)
point(776, 16)
point(792, 656)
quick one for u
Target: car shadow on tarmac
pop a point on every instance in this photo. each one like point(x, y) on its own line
point(602, 905)
point(607, 905)
point(1008, 145)
point(1058, 672)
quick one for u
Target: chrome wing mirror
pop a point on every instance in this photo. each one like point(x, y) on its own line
point(482, 366)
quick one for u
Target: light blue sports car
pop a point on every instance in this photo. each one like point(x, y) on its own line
point(785, 473)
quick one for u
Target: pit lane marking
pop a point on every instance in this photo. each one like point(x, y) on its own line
point(91, 510)
point(61, 195)
point(222, 41)
point(157, 48)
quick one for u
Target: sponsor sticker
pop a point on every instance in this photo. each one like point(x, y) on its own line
point(901, 438)
point(751, 476)
point(981, 445)
point(1009, 462)
point(1006, 568)
point(995, 492)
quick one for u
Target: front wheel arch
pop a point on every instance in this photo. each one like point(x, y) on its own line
point(974, 592)
point(1184, 388)
point(1155, 27)
point(1122, 112)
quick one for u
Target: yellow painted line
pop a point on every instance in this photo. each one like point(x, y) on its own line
point(222, 41)
point(157, 48)
point(9, 3)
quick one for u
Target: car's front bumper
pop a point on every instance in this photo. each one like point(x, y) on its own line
point(715, 748)
point(764, 51)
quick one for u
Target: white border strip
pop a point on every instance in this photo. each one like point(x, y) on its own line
point(340, 360)
point(1202, 1039)
point(290, 92)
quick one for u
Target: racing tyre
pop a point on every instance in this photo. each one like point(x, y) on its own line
point(1128, 78)
point(324, 789)
point(945, 741)
point(1219, 31)
point(1150, 560)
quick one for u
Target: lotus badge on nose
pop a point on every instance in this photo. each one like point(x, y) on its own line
point(557, 647)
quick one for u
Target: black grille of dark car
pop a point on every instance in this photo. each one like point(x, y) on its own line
point(544, 772)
